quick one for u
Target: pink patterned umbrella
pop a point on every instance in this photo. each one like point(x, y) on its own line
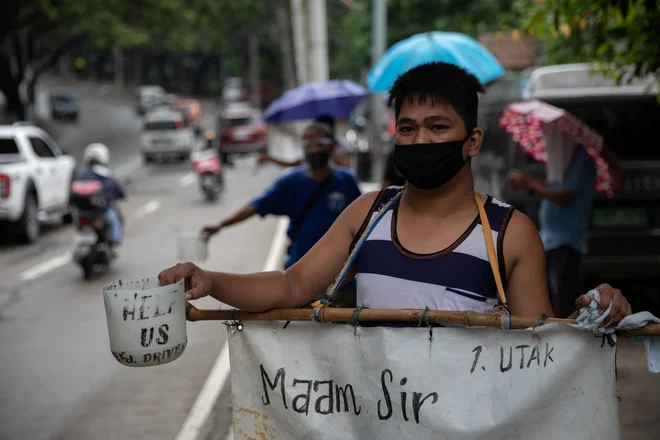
point(524, 121)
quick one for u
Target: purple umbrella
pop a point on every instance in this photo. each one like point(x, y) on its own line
point(336, 98)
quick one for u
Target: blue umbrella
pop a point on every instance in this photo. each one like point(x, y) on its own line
point(449, 47)
point(336, 98)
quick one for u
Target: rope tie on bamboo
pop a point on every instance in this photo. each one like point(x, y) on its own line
point(505, 319)
point(233, 322)
point(318, 305)
point(424, 318)
point(356, 315)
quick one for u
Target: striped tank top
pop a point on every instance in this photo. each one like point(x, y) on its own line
point(457, 278)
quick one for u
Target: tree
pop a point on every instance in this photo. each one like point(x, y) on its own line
point(350, 28)
point(35, 33)
point(614, 35)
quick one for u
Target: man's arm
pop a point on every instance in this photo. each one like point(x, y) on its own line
point(242, 214)
point(118, 189)
point(272, 201)
point(561, 197)
point(292, 288)
point(263, 157)
point(527, 288)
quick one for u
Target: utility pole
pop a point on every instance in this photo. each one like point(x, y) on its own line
point(300, 58)
point(378, 43)
point(318, 36)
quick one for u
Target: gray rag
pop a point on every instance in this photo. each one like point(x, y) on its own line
point(591, 320)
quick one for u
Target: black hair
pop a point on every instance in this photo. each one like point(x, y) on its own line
point(439, 81)
point(327, 120)
point(324, 128)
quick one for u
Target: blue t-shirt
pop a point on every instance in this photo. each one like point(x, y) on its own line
point(289, 195)
point(569, 225)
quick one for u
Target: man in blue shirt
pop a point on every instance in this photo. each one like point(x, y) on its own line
point(564, 217)
point(312, 195)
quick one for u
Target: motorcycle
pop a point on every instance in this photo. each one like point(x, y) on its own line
point(93, 249)
point(208, 168)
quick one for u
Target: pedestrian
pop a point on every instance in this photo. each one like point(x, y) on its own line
point(312, 196)
point(429, 248)
point(340, 155)
point(564, 215)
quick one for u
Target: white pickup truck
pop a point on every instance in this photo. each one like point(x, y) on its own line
point(35, 180)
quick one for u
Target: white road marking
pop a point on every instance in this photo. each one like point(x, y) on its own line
point(148, 208)
point(187, 180)
point(44, 267)
point(215, 382)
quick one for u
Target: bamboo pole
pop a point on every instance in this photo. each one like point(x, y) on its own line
point(330, 314)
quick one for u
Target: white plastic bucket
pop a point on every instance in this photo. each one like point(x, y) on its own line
point(192, 247)
point(146, 321)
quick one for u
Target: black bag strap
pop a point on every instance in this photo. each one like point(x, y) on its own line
point(308, 206)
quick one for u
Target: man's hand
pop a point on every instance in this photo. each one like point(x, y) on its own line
point(517, 179)
point(620, 306)
point(211, 230)
point(198, 282)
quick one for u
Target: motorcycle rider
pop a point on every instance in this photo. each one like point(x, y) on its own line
point(96, 158)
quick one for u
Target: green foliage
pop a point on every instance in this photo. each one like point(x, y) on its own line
point(615, 35)
point(349, 31)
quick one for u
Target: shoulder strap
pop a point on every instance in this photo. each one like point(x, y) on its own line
point(384, 196)
point(492, 254)
point(308, 206)
point(361, 240)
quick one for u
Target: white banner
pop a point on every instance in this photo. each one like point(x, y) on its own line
point(322, 381)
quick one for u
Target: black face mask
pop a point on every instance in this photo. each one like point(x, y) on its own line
point(429, 166)
point(317, 160)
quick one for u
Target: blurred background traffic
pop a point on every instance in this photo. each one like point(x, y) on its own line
point(167, 84)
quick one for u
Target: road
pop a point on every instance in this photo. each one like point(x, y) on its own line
point(58, 379)
point(57, 376)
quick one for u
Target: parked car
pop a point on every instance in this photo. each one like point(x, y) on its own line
point(64, 104)
point(146, 97)
point(166, 134)
point(624, 237)
point(242, 130)
point(35, 179)
point(163, 103)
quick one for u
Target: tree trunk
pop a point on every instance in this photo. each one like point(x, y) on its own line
point(9, 84)
point(254, 69)
point(201, 73)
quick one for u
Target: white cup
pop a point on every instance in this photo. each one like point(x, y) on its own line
point(192, 247)
point(146, 321)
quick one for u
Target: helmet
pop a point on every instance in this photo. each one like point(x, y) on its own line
point(98, 153)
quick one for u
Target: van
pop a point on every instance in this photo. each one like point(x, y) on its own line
point(624, 237)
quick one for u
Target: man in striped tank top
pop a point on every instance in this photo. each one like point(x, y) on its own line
point(426, 246)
